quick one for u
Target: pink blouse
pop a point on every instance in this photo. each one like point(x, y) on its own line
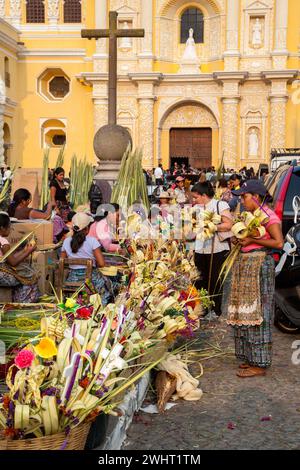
point(100, 231)
point(273, 219)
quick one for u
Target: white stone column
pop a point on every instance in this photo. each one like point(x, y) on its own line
point(230, 131)
point(1, 134)
point(146, 54)
point(53, 13)
point(280, 52)
point(101, 56)
point(232, 54)
point(15, 12)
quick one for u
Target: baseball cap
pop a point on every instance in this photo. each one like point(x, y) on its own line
point(180, 178)
point(81, 220)
point(251, 186)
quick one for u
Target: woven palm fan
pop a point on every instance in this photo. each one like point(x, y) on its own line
point(165, 388)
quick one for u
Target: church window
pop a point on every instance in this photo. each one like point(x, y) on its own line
point(72, 11)
point(35, 11)
point(59, 140)
point(59, 87)
point(192, 18)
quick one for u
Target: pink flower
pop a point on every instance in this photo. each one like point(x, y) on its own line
point(24, 359)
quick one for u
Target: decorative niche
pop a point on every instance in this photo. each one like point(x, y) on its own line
point(257, 29)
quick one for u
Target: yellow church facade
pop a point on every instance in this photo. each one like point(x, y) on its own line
point(211, 78)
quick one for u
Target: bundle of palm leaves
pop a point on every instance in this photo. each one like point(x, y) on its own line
point(131, 187)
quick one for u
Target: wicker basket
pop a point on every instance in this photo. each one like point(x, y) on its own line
point(75, 441)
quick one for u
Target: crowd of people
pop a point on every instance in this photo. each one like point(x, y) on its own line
point(90, 236)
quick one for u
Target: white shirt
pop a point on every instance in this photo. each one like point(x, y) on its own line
point(205, 247)
point(158, 173)
point(7, 175)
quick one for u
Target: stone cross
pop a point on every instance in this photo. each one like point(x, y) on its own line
point(113, 33)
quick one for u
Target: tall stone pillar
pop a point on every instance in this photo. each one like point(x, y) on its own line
point(101, 56)
point(278, 121)
point(1, 135)
point(146, 54)
point(230, 131)
point(146, 130)
point(280, 52)
point(232, 54)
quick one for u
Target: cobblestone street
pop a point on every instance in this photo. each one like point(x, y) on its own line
point(251, 413)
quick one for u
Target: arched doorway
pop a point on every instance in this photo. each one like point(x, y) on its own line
point(189, 132)
point(7, 144)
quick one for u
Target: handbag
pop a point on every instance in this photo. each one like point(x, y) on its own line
point(223, 236)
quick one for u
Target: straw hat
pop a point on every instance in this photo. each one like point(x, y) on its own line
point(164, 195)
point(81, 220)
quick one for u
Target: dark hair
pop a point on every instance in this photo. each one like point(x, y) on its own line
point(235, 176)
point(19, 196)
point(223, 183)
point(58, 171)
point(4, 220)
point(110, 208)
point(78, 240)
point(70, 216)
point(204, 188)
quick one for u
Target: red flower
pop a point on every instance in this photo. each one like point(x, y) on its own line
point(84, 313)
point(10, 433)
point(84, 383)
point(24, 359)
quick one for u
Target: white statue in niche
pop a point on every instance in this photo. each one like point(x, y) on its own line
point(257, 34)
point(190, 48)
point(253, 143)
point(125, 42)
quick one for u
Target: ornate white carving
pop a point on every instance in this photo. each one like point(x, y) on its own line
point(190, 116)
point(15, 11)
point(230, 132)
point(2, 8)
point(215, 30)
point(100, 110)
point(146, 131)
point(53, 9)
point(278, 122)
point(132, 4)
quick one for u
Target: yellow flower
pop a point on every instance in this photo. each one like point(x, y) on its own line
point(70, 303)
point(46, 348)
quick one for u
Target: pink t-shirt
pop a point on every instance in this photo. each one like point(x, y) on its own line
point(100, 231)
point(3, 242)
point(273, 219)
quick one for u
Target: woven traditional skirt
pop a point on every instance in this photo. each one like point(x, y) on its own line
point(253, 344)
point(101, 283)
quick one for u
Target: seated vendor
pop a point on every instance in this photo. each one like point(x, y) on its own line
point(82, 246)
point(19, 207)
point(105, 227)
point(15, 271)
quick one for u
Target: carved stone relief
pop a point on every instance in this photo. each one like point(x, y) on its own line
point(278, 122)
point(146, 131)
point(230, 132)
point(117, 4)
point(2, 8)
point(190, 116)
point(100, 110)
point(15, 9)
point(53, 9)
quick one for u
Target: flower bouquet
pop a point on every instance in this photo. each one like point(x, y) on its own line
point(245, 225)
